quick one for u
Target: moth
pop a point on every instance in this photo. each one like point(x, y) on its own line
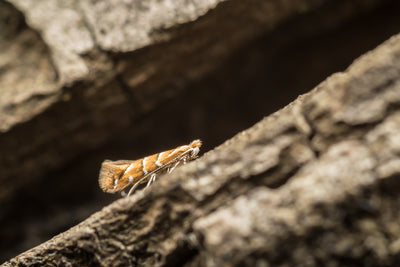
point(115, 176)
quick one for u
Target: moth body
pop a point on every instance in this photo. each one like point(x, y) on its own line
point(117, 175)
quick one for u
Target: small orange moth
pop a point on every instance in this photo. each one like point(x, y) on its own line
point(117, 175)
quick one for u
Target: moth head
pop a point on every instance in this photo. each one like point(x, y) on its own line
point(110, 173)
point(195, 148)
point(194, 152)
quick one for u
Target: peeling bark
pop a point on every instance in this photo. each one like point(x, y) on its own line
point(314, 183)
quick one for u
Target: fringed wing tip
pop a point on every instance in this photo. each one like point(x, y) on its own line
point(106, 176)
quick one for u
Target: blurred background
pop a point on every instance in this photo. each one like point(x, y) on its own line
point(208, 77)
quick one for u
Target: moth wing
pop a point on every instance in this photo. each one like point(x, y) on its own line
point(109, 172)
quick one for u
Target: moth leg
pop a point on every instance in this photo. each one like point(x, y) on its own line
point(153, 177)
point(151, 180)
point(173, 167)
point(135, 185)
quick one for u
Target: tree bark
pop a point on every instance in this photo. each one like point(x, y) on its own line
point(316, 182)
point(94, 69)
point(312, 184)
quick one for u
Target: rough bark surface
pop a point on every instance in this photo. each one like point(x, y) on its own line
point(316, 182)
point(99, 66)
point(84, 81)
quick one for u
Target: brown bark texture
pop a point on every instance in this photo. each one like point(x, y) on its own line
point(315, 183)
